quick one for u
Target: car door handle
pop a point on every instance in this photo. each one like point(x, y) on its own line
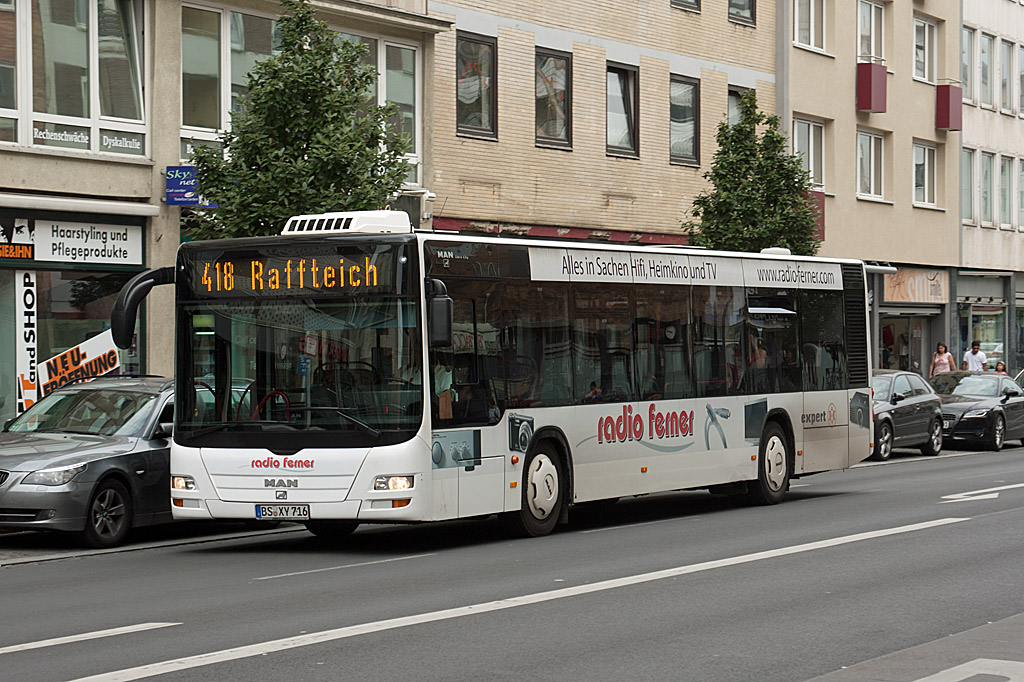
point(140, 472)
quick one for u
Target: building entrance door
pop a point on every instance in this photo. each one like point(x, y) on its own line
point(901, 345)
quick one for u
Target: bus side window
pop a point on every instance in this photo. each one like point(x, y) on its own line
point(602, 341)
point(536, 343)
point(718, 344)
point(823, 339)
point(464, 382)
point(663, 343)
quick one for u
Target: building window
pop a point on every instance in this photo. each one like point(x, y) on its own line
point(967, 185)
point(809, 23)
point(734, 111)
point(684, 120)
point(809, 145)
point(623, 128)
point(869, 164)
point(210, 94)
point(1020, 193)
point(1006, 76)
point(1020, 79)
point(553, 95)
point(476, 70)
point(687, 4)
point(742, 11)
point(1006, 191)
point(967, 63)
point(924, 50)
point(870, 28)
point(987, 164)
point(79, 65)
point(924, 174)
point(987, 46)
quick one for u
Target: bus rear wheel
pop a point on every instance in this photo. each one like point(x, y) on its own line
point(331, 530)
point(542, 497)
point(772, 467)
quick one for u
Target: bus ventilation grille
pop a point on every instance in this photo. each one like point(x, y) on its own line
point(856, 324)
point(376, 222)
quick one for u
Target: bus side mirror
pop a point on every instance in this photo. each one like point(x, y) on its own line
point(439, 314)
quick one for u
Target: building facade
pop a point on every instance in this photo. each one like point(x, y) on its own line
point(870, 111)
point(990, 300)
point(97, 100)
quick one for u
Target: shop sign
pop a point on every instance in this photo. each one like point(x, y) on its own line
point(91, 358)
point(16, 238)
point(180, 186)
point(60, 135)
point(120, 142)
point(26, 323)
point(915, 285)
point(88, 243)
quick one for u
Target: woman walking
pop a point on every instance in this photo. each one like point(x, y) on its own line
point(942, 361)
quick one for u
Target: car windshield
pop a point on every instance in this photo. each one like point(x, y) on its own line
point(973, 385)
point(880, 387)
point(98, 412)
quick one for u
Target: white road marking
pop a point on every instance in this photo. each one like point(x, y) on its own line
point(263, 648)
point(986, 494)
point(84, 637)
point(338, 568)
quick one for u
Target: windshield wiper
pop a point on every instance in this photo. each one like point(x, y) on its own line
point(373, 431)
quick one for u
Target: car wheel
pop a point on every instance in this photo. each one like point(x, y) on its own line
point(331, 530)
point(883, 442)
point(109, 516)
point(772, 467)
point(934, 444)
point(542, 498)
point(998, 435)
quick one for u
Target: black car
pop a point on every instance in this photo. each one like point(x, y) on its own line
point(908, 413)
point(90, 458)
point(980, 407)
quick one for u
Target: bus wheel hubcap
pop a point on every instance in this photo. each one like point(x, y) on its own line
point(775, 463)
point(542, 486)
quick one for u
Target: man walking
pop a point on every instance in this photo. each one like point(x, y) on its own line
point(974, 359)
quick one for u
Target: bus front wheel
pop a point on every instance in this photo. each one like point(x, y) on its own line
point(543, 488)
point(772, 467)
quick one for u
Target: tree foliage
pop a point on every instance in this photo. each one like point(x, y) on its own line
point(308, 137)
point(760, 193)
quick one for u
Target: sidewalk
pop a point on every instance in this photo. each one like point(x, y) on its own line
point(989, 653)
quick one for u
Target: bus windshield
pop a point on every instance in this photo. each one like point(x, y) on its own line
point(288, 339)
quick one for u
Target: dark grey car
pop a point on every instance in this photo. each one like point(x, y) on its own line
point(90, 458)
point(908, 413)
point(980, 408)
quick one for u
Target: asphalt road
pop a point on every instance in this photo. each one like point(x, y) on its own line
point(889, 572)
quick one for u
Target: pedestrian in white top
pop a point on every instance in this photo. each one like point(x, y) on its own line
point(974, 359)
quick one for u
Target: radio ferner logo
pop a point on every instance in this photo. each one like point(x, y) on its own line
point(629, 426)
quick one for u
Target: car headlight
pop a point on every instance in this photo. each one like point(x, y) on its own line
point(975, 413)
point(54, 476)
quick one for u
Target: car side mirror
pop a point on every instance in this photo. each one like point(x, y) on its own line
point(896, 397)
point(164, 430)
point(1010, 393)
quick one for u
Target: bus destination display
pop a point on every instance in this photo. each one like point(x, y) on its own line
point(319, 272)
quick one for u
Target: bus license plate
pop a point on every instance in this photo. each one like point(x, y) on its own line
point(283, 512)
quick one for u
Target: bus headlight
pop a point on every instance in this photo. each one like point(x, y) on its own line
point(183, 483)
point(392, 482)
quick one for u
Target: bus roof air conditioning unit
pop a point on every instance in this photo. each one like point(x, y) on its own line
point(366, 222)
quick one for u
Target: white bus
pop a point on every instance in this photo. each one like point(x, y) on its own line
point(352, 370)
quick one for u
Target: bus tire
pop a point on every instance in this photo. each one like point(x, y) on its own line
point(772, 467)
point(543, 494)
point(331, 530)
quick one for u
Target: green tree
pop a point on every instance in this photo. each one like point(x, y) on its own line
point(308, 137)
point(760, 193)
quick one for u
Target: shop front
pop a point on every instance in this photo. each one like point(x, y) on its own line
point(911, 318)
point(59, 276)
point(984, 314)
